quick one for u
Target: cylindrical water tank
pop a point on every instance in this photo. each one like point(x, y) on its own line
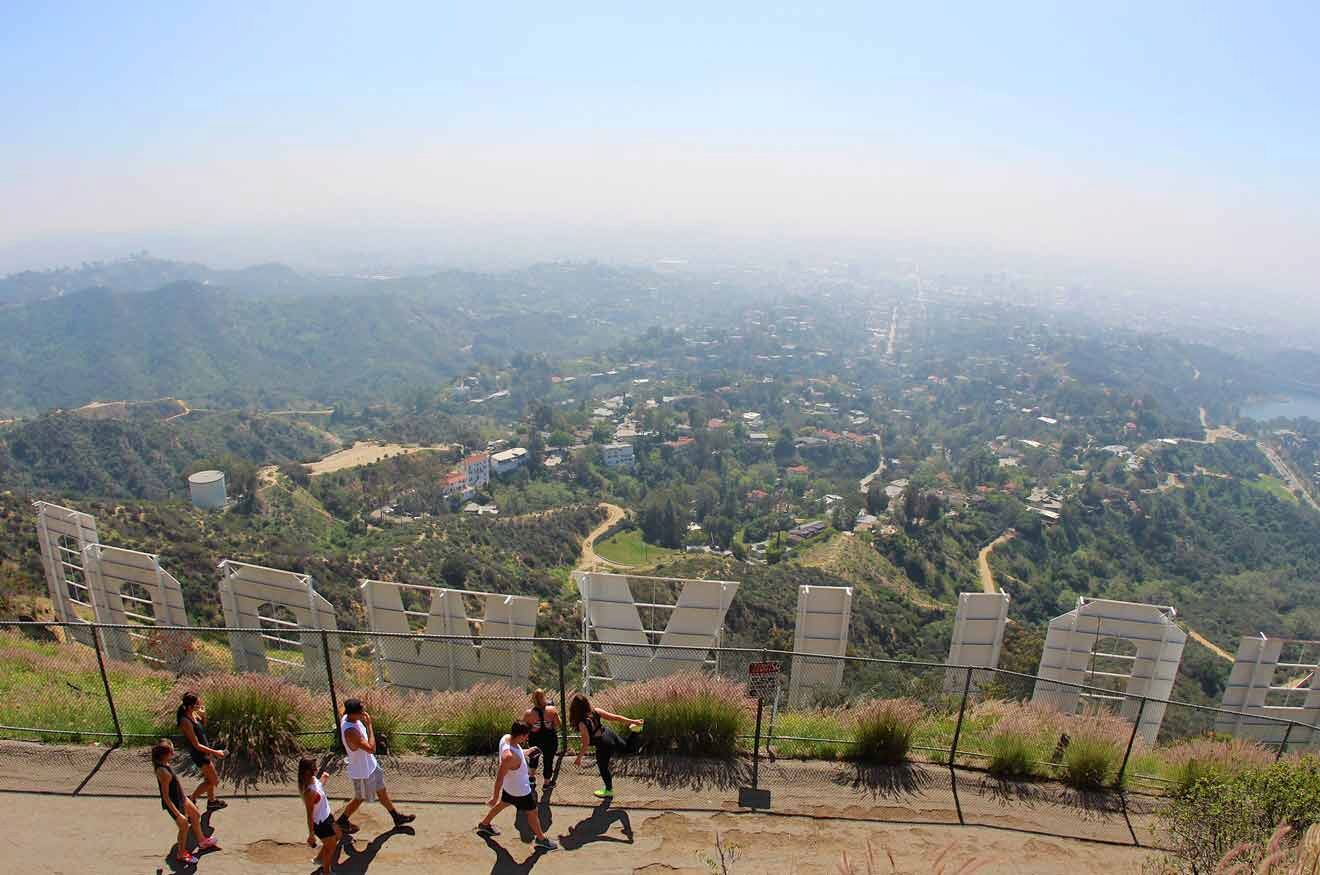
point(207, 489)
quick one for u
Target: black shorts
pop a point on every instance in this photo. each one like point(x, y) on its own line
point(201, 760)
point(522, 803)
point(325, 829)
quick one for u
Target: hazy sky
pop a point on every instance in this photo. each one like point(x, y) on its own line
point(1178, 137)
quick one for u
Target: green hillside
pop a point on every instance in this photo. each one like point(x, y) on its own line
point(144, 457)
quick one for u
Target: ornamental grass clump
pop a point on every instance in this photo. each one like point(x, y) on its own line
point(468, 722)
point(1021, 738)
point(817, 734)
point(1211, 758)
point(689, 713)
point(1097, 742)
point(882, 731)
point(258, 719)
point(1012, 747)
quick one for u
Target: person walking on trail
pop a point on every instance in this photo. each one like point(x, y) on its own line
point(544, 721)
point(177, 806)
point(368, 779)
point(320, 822)
point(589, 722)
point(513, 786)
point(191, 722)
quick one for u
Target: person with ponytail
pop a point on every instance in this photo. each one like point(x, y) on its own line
point(589, 722)
point(191, 722)
point(179, 807)
point(544, 721)
point(320, 820)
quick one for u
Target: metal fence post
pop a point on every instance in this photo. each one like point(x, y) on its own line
point(105, 681)
point(1283, 746)
point(962, 709)
point(563, 694)
point(335, 742)
point(1132, 740)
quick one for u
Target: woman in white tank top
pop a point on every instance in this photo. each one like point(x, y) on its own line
point(513, 786)
point(320, 822)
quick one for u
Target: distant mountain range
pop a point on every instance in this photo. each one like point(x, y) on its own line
point(143, 273)
point(269, 336)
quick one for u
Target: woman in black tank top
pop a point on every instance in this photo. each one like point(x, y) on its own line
point(180, 808)
point(589, 722)
point(191, 722)
point(544, 720)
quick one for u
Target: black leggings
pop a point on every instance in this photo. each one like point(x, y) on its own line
point(549, 745)
point(610, 744)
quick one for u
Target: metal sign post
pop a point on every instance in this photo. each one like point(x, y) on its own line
point(762, 683)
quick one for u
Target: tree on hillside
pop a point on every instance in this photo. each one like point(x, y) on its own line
point(454, 571)
point(785, 450)
point(664, 519)
point(840, 518)
point(535, 453)
point(877, 501)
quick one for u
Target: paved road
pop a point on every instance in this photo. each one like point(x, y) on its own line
point(1286, 473)
point(51, 834)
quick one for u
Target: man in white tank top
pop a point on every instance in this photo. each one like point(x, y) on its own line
point(362, 767)
point(513, 786)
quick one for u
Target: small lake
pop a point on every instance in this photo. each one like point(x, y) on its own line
point(1293, 407)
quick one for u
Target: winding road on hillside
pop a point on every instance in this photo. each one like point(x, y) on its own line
point(589, 560)
point(1208, 644)
point(1290, 477)
point(983, 560)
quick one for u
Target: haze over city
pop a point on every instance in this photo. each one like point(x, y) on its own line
point(1167, 142)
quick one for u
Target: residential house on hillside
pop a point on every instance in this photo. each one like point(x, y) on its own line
point(476, 470)
point(455, 483)
point(806, 530)
point(508, 461)
point(618, 455)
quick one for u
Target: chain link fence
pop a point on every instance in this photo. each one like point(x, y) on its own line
point(923, 741)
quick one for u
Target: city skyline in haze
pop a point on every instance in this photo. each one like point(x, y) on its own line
point(1175, 140)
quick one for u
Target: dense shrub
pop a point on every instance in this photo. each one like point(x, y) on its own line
point(1221, 813)
point(255, 717)
point(883, 730)
point(690, 713)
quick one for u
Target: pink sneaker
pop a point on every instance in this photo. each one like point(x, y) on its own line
point(208, 844)
point(187, 859)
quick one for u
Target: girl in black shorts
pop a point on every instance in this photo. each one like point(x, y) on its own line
point(590, 723)
point(544, 720)
point(191, 720)
point(320, 822)
point(176, 805)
